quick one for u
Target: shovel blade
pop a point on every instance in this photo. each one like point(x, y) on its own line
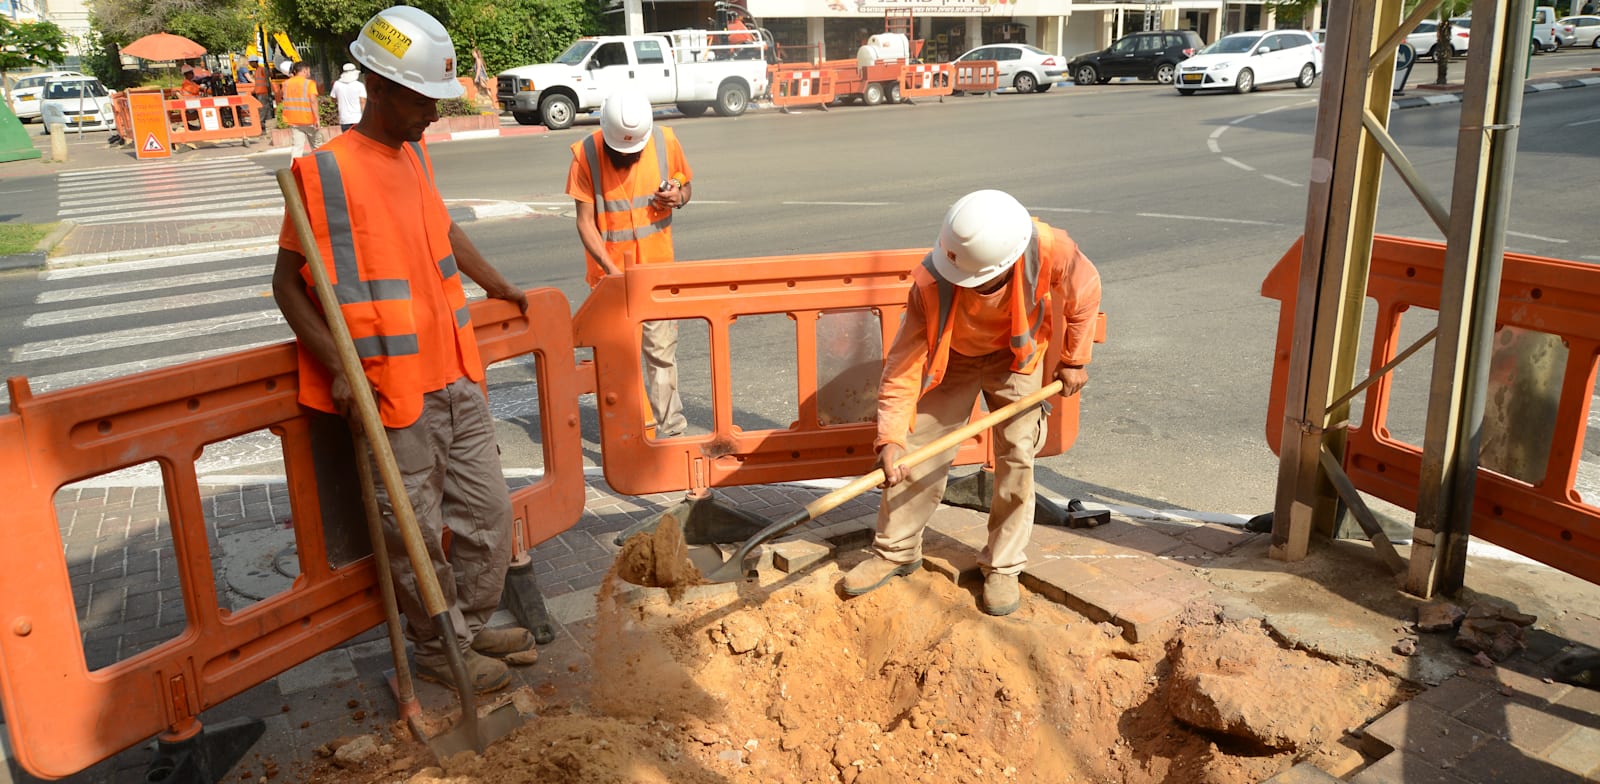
point(492, 726)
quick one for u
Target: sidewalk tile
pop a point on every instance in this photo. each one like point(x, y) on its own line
point(1424, 731)
point(1453, 695)
point(1497, 762)
point(1523, 726)
point(1402, 768)
point(1578, 752)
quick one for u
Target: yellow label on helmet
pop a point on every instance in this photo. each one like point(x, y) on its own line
point(385, 35)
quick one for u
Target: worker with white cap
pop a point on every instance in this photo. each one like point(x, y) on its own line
point(626, 180)
point(350, 95)
point(1000, 304)
point(396, 260)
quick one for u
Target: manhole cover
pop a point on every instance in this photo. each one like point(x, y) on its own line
point(258, 564)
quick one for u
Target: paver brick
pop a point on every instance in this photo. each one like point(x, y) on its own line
point(1527, 688)
point(1579, 752)
point(1403, 768)
point(1303, 773)
point(795, 554)
point(1149, 618)
point(1141, 538)
point(1498, 761)
point(1422, 730)
point(1453, 695)
point(1522, 725)
point(1056, 578)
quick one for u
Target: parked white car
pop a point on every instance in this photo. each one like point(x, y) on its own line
point(77, 102)
point(1425, 39)
point(1585, 30)
point(1027, 69)
point(26, 93)
point(1241, 61)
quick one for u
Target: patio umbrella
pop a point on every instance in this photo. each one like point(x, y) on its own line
point(164, 46)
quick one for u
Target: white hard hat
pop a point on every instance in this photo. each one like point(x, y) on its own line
point(287, 67)
point(984, 233)
point(626, 119)
point(409, 47)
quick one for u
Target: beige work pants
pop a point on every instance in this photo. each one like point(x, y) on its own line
point(450, 465)
point(907, 507)
point(660, 358)
point(304, 139)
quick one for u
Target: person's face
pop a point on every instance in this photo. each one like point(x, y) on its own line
point(402, 112)
point(622, 160)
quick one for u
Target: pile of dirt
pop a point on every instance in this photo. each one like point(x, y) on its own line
point(913, 682)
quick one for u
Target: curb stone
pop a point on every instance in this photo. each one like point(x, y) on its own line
point(1411, 102)
point(39, 256)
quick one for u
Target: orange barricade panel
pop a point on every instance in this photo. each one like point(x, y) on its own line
point(802, 289)
point(62, 716)
point(801, 86)
point(927, 80)
point(214, 119)
point(1540, 515)
point(977, 76)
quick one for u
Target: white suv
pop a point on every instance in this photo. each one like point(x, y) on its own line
point(1425, 39)
point(26, 94)
point(1241, 61)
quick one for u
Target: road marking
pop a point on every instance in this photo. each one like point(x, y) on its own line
point(1237, 120)
point(1212, 143)
point(143, 186)
point(1277, 179)
point(155, 333)
point(1574, 124)
point(166, 190)
point(1590, 258)
point(153, 304)
point(1217, 134)
point(153, 284)
point(1536, 237)
point(77, 378)
point(248, 209)
point(1080, 210)
point(1239, 221)
point(838, 204)
point(1238, 163)
point(209, 205)
point(161, 263)
point(148, 168)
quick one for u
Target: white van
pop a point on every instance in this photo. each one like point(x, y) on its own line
point(1545, 38)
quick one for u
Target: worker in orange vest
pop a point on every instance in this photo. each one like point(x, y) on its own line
point(626, 180)
point(1002, 303)
point(300, 111)
point(261, 90)
point(396, 260)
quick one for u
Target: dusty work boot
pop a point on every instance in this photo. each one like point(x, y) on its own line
point(1000, 594)
point(485, 674)
point(513, 644)
point(873, 573)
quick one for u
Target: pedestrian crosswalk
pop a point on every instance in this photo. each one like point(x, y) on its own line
point(219, 188)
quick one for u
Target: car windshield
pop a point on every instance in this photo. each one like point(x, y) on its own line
point(575, 53)
point(1233, 44)
point(70, 90)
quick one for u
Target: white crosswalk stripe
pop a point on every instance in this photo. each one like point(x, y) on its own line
point(210, 190)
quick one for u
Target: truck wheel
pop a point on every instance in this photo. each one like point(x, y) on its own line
point(732, 99)
point(894, 92)
point(557, 111)
point(873, 94)
point(693, 108)
point(526, 118)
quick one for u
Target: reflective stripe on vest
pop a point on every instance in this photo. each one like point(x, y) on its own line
point(297, 104)
point(1024, 347)
point(348, 286)
point(602, 205)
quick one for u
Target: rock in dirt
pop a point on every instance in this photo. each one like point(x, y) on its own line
point(359, 751)
point(1495, 631)
point(1438, 616)
point(744, 633)
point(1406, 647)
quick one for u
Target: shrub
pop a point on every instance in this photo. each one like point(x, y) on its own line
point(457, 107)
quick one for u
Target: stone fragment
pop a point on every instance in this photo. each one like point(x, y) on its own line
point(1438, 616)
point(1406, 647)
point(1493, 630)
point(744, 633)
point(357, 752)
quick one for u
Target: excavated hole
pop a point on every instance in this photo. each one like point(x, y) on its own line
point(788, 682)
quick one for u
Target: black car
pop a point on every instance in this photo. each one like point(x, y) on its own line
point(1148, 55)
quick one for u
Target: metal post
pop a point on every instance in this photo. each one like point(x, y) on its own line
point(1491, 111)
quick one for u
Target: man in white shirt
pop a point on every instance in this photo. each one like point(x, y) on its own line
point(351, 96)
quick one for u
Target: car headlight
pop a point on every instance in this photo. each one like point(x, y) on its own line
point(524, 85)
point(1221, 66)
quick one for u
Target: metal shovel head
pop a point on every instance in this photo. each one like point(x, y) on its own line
point(492, 726)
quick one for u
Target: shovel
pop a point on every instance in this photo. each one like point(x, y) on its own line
point(467, 734)
point(738, 567)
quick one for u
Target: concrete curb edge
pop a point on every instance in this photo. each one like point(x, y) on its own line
point(1440, 99)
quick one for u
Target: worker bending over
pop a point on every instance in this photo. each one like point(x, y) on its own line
point(625, 180)
point(395, 259)
point(1000, 304)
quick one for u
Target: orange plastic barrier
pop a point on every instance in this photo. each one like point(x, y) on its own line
point(801, 86)
point(802, 288)
point(927, 80)
point(1546, 520)
point(977, 76)
point(62, 717)
point(214, 119)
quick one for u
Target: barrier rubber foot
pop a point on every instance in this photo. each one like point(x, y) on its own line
point(705, 520)
point(526, 602)
point(975, 491)
point(205, 757)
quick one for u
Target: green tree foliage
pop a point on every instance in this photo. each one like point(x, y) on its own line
point(218, 25)
point(29, 44)
point(518, 32)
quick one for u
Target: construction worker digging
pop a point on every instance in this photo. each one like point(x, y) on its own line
point(396, 259)
point(976, 321)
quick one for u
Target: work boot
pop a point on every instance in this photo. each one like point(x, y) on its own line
point(501, 643)
point(1000, 594)
point(483, 673)
point(874, 572)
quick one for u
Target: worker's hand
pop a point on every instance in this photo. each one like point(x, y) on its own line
point(344, 399)
point(514, 296)
point(1072, 379)
point(668, 198)
point(889, 462)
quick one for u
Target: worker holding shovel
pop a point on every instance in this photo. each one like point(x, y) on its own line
point(395, 259)
point(1001, 304)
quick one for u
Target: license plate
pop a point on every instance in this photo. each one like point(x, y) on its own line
point(1191, 78)
point(28, 97)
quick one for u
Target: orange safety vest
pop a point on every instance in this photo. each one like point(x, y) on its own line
point(299, 105)
point(634, 229)
point(373, 278)
point(1029, 301)
point(260, 82)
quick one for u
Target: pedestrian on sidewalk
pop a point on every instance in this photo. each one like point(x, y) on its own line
point(396, 258)
point(1002, 303)
point(350, 95)
point(261, 89)
point(300, 111)
point(626, 180)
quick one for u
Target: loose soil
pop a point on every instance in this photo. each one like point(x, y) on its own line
point(792, 683)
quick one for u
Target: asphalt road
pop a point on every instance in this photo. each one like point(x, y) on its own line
point(1183, 203)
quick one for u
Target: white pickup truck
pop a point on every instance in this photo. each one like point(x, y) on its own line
point(695, 70)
